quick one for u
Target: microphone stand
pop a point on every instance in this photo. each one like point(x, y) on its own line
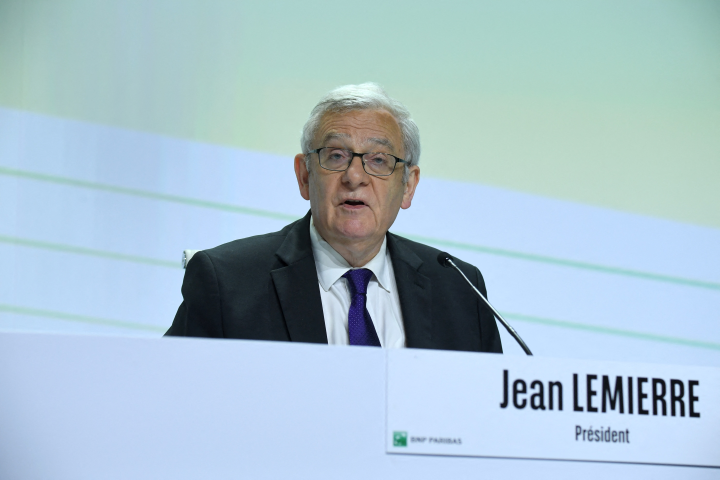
point(446, 261)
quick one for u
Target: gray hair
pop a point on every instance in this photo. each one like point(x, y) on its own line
point(365, 96)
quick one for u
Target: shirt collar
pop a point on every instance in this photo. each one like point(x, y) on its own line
point(331, 266)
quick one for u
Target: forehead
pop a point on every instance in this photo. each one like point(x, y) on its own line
point(359, 127)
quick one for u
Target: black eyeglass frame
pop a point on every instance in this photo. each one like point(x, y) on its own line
point(355, 154)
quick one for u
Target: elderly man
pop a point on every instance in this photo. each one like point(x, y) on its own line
point(337, 275)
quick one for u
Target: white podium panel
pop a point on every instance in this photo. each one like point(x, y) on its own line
point(452, 403)
point(86, 407)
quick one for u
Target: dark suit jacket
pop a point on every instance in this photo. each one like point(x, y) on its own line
point(266, 288)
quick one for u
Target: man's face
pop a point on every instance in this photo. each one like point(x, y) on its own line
point(352, 208)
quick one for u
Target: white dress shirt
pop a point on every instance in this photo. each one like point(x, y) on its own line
point(383, 302)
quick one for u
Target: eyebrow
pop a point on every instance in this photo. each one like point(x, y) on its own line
point(382, 141)
point(333, 136)
point(343, 136)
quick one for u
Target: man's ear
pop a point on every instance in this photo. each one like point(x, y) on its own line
point(409, 191)
point(303, 176)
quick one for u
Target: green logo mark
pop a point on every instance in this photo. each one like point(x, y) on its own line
point(399, 439)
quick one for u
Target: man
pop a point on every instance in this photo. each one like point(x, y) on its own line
point(337, 275)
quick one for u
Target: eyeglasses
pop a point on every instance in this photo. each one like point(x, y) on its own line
point(376, 164)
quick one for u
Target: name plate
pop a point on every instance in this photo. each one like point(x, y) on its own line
point(465, 404)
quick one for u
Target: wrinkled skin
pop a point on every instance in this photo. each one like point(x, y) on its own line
point(352, 210)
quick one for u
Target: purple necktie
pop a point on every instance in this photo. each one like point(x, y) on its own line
point(360, 325)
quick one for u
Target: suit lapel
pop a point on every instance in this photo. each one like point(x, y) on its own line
point(296, 285)
point(415, 292)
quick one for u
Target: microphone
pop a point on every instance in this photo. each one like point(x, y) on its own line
point(446, 261)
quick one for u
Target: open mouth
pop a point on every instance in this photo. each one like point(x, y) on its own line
point(354, 203)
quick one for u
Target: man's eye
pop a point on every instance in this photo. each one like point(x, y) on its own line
point(377, 159)
point(337, 154)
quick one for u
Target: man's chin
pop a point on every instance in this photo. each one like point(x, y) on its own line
point(356, 230)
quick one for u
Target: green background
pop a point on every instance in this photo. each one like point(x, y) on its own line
point(613, 103)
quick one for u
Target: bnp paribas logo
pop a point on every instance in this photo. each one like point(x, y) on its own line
point(399, 439)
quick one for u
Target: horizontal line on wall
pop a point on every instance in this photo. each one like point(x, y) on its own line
point(612, 331)
point(567, 263)
point(437, 241)
point(58, 247)
point(227, 207)
point(515, 316)
point(36, 312)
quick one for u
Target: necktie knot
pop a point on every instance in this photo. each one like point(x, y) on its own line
point(358, 280)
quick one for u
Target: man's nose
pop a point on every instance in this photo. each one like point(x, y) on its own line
point(355, 174)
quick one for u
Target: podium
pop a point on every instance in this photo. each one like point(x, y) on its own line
point(76, 407)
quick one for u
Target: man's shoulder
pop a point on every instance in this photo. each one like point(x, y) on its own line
point(420, 249)
point(250, 250)
point(429, 257)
